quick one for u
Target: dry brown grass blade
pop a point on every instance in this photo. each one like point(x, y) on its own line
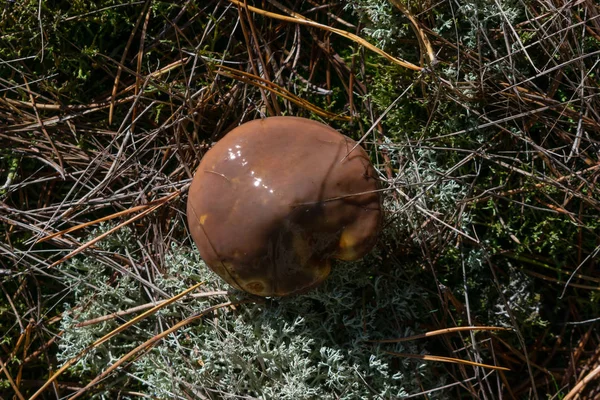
point(63, 107)
point(109, 335)
point(558, 282)
point(44, 131)
point(421, 36)
point(558, 270)
point(357, 39)
point(447, 360)
point(43, 347)
point(441, 332)
point(273, 87)
point(582, 383)
point(116, 228)
point(144, 307)
point(10, 380)
point(120, 66)
point(138, 71)
point(158, 73)
point(272, 107)
point(103, 219)
point(522, 357)
point(90, 223)
point(151, 342)
point(57, 119)
point(28, 334)
point(540, 185)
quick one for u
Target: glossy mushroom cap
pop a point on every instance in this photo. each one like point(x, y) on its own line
point(274, 200)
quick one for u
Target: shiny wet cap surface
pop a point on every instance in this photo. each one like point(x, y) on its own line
point(274, 200)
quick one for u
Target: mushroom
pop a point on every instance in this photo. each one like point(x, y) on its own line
point(277, 198)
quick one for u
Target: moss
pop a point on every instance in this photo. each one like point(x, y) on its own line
point(310, 346)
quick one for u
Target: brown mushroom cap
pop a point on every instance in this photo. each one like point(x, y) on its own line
point(274, 200)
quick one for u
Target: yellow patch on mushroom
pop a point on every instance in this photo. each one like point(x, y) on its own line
point(347, 240)
point(347, 247)
point(255, 287)
point(203, 219)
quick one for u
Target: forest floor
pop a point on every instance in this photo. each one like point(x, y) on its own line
point(482, 120)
